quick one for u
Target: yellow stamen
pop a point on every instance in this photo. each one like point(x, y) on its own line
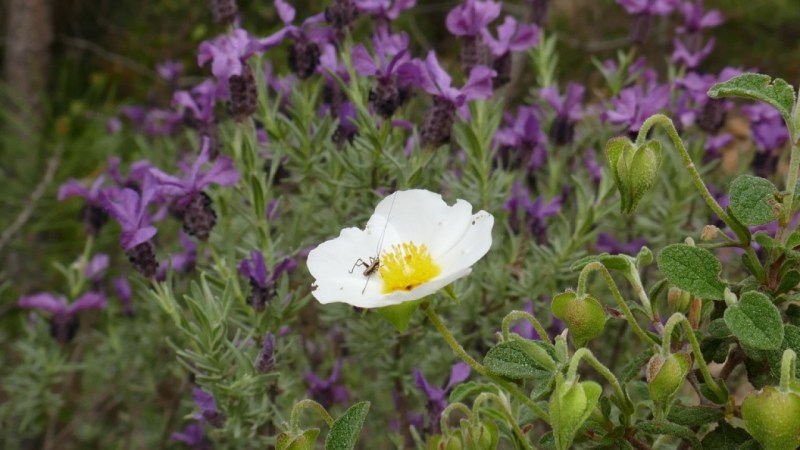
point(406, 267)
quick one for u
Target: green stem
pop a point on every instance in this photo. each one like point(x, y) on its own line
point(294, 421)
point(626, 311)
point(741, 232)
point(791, 182)
point(446, 414)
point(478, 367)
point(787, 369)
point(585, 353)
point(515, 315)
point(80, 281)
point(673, 321)
point(523, 439)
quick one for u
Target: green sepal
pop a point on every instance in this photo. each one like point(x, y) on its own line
point(571, 403)
point(585, 316)
point(400, 315)
point(305, 441)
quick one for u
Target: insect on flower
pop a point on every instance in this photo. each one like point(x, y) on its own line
point(374, 261)
point(425, 245)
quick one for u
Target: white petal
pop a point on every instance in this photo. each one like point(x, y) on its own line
point(472, 246)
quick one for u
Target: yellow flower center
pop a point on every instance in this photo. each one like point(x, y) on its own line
point(406, 267)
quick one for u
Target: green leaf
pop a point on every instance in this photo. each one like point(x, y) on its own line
point(692, 416)
point(725, 437)
point(692, 269)
point(469, 389)
point(399, 315)
point(633, 368)
point(670, 429)
point(513, 360)
point(753, 200)
point(756, 86)
point(789, 281)
point(345, 430)
point(718, 329)
point(791, 339)
point(305, 441)
point(755, 321)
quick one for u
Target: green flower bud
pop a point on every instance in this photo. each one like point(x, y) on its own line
point(305, 441)
point(484, 436)
point(571, 403)
point(584, 316)
point(773, 418)
point(665, 376)
point(678, 300)
point(634, 169)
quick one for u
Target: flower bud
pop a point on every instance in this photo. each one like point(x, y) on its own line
point(584, 316)
point(678, 300)
point(634, 169)
point(484, 436)
point(266, 358)
point(709, 233)
point(773, 418)
point(665, 375)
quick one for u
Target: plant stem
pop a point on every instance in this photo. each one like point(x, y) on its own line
point(741, 232)
point(673, 321)
point(585, 353)
point(294, 421)
point(523, 439)
point(626, 311)
point(478, 367)
point(515, 315)
point(791, 182)
point(787, 369)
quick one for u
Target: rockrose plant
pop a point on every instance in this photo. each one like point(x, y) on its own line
point(344, 227)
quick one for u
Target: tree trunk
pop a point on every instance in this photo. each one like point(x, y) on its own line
point(29, 34)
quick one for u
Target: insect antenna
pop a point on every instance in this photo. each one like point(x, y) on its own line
point(375, 263)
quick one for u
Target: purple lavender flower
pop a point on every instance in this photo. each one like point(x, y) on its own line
point(197, 107)
point(384, 11)
point(592, 166)
point(262, 282)
point(468, 21)
point(194, 436)
point(527, 331)
point(182, 262)
point(113, 125)
point(136, 174)
point(328, 391)
point(265, 362)
point(691, 59)
point(635, 104)
point(529, 217)
point(64, 320)
point(769, 134)
point(643, 11)
point(696, 18)
point(96, 268)
point(437, 396)
point(228, 55)
point(433, 79)
point(208, 408)
point(340, 15)
point(190, 201)
point(606, 243)
point(392, 85)
point(170, 70)
point(511, 37)
point(522, 140)
point(124, 293)
point(715, 144)
point(92, 214)
point(306, 39)
point(568, 109)
point(129, 208)
point(223, 11)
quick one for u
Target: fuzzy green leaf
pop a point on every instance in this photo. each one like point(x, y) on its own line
point(755, 321)
point(513, 360)
point(725, 437)
point(753, 200)
point(718, 329)
point(570, 405)
point(788, 282)
point(692, 269)
point(345, 430)
point(692, 416)
point(633, 368)
point(756, 86)
point(469, 389)
point(670, 429)
point(791, 339)
point(399, 315)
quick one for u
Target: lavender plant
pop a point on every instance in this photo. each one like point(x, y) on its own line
point(246, 307)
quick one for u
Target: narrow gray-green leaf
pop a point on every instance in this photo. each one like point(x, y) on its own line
point(756, 86)
point(692, 269)
point(755, 321)
point(753, 200)
point(469, 389)
point(345, 430)
point(692, 416)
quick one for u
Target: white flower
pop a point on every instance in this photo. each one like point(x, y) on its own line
point(425, 246)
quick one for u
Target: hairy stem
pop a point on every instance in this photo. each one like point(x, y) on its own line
point(478, 367)
point(586, 354)
point(673, 321)
point(515, 315)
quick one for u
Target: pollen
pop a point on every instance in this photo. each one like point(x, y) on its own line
point(407, 266)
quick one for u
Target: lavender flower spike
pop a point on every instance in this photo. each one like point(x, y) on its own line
point(468, 21)
point(265, 363)
point(568, 109)
point(208, 408)
point(262, 282)
point(64, 320)
point(384, 10)
point(328, 391)
point(189, 199)
point(437, 396)
point(129, 208)
point(92, 214)
point(511, 37)
point(392, 85)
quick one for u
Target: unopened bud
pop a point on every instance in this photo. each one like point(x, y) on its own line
point(266, 358)
point(709, 233)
